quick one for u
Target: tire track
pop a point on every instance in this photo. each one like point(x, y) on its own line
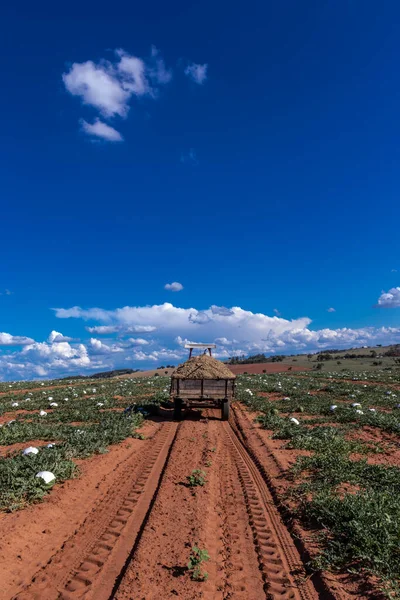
point(89, 563)
point(237, 539)
point(282, 569)
point(270, 468)
point(255, 553)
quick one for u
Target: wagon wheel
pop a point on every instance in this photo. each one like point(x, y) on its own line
point(225, 410)
point(177, 409)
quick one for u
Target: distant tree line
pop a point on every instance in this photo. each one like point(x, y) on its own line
point(393, 351)
point(104, 375)
point(255, 358)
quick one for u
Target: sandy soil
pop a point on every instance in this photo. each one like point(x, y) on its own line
point(126, 527)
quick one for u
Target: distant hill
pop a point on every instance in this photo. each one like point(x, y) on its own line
point(379, 351)
point(366, 358)
point(105, 374)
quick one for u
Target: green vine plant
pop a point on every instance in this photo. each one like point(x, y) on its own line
point(196, 558)
point(197, 477)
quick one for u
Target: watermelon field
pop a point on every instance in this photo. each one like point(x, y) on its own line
point(104, 495)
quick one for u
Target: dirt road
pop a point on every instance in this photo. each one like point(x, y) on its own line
point(135, 539)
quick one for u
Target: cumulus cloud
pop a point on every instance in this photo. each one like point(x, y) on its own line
point(331, 310)
point(222, 311)
point(167, 318)
point(56, 337)
point(197, 72)
point(6, 339)
point(223, 341)
point(390, 299)
point(43, 359)
point(233, 329)
point(199, 317)
point(109, 329)
point(138, 342)
point(132, 73)
point(58, 350)
point(101, 130)
point(55, 358)
point(96, 346)
point(157, 355)
point(140, 329)
point(95, 314)
point(182, 341)
point(109, 86)
point(250, 332)
point(175, 286)
point(100, 329)
point(98, 86)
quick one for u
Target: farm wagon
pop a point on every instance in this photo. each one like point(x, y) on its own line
point(202, 382)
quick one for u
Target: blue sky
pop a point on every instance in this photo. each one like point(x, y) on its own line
point(249, 152)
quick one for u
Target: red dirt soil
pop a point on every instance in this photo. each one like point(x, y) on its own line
point(184, 517)
point(259, 368)
point(126, 527)
point(19, 446)
point(29, 538)
point(274, 460)
point(387, 442)
point(11, 415)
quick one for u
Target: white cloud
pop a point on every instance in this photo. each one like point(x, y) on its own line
point(6, 339)
point(109, 86)
point(138, 342)
point(100, 329)
point(157, 355)
point(55, 358)
point(40, 359)
point(98, 347)
point(58, 350)
point(234, 330)
point(175, 286)
point(223, 341)
point(108, 329)
point(197, 72)
point(182, 341)
point(276, 311)
point(199, 317)
point(97, 314)
point(222, 311)
point(132, 71)
point(331, 310)
point(141, 329)
point(56, 337)
point(167, 318)
point(250, 332)
point(98, 86)
point(101, 130)
point(390, 299)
